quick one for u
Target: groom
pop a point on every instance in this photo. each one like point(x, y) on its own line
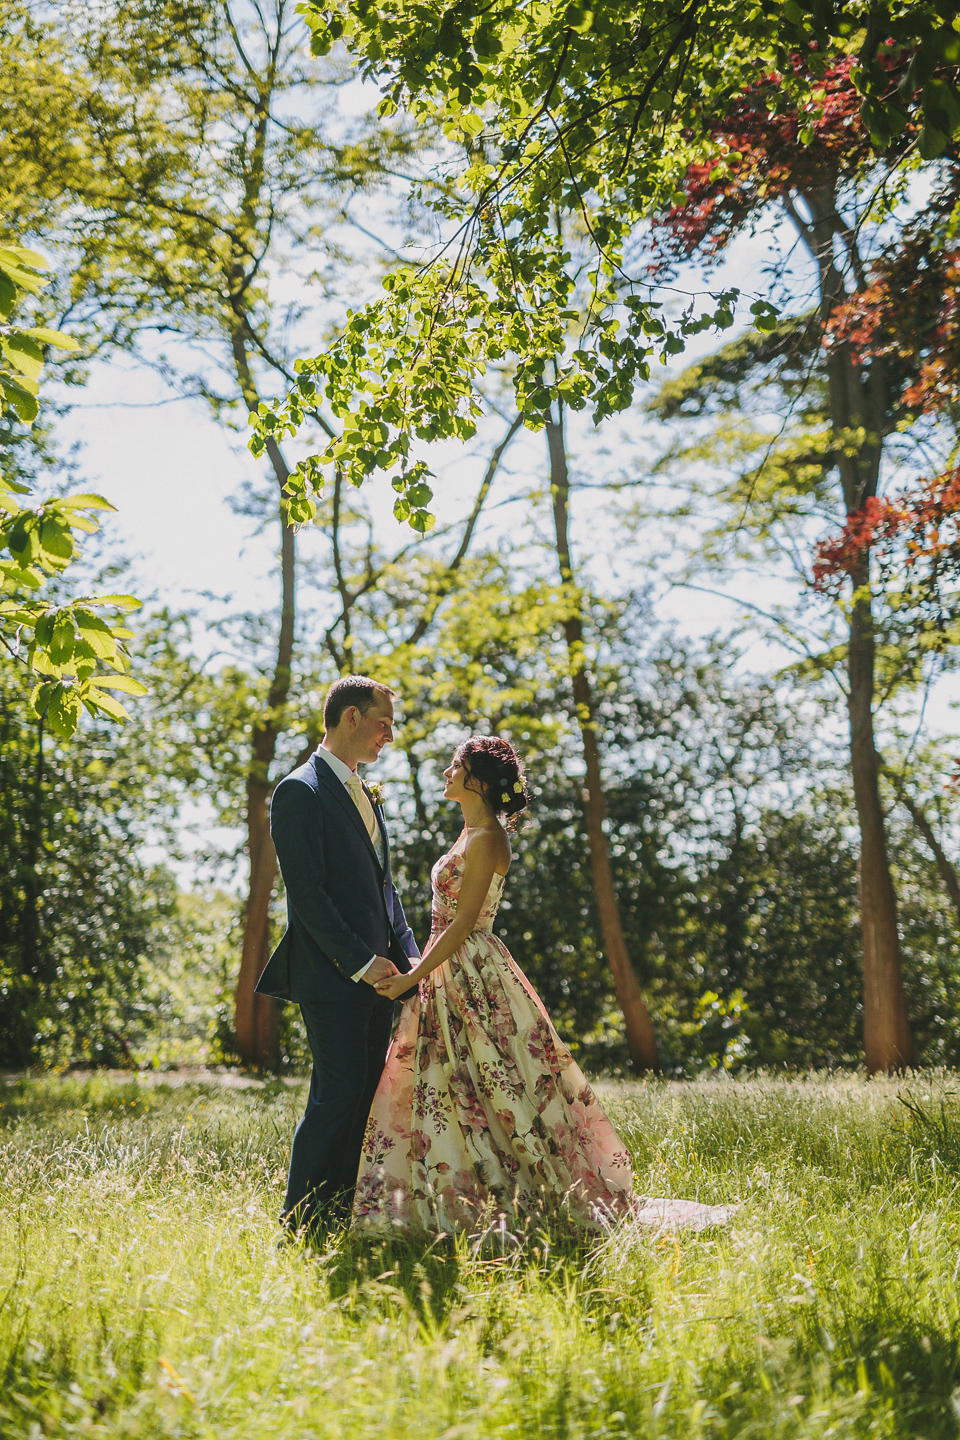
point(345, 931)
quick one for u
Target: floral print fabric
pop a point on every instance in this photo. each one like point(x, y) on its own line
point(482, 1111)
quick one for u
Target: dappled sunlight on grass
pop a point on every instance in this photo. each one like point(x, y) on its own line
point(143, 1295)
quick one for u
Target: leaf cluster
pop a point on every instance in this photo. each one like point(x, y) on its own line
point(78, 655)
point(595, 114)
point(23, 272)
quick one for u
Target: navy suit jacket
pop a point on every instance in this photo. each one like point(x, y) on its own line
point(341, 904)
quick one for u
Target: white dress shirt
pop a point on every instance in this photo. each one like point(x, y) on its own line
point(345, 775)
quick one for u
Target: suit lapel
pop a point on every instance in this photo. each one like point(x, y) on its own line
point(382, 827)
point(339, 793)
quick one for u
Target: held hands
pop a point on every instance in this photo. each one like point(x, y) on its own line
point(380, 969)
point(391, 987)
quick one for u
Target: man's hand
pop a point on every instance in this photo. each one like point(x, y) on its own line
point(380, 969)
point(395, 985)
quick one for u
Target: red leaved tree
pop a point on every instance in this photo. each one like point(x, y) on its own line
point(816, 164)
point(913, 541)
point(909, 315)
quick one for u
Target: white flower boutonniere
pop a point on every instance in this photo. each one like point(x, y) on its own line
point(376, 792)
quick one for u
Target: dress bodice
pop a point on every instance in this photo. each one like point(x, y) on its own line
point(445, 877)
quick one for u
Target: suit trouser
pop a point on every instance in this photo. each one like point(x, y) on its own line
point(349, 1046)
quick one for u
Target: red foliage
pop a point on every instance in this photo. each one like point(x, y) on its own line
point(905, 311)
point(842, 554)
point(908, 308)
point(917, 533)
point(761, 157)
point(938, 381)
point(909, 313)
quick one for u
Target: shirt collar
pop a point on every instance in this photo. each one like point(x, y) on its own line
point(343, 772)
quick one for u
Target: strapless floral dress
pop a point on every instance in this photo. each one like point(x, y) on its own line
point(482, 1113)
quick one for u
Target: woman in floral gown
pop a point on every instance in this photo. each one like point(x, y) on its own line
point(482, 1115)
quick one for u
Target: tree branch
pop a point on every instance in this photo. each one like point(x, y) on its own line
point(947, 871)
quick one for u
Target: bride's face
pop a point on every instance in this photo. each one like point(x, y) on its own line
point(455, 779)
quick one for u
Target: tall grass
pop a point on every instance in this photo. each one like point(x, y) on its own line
point(142, 1294)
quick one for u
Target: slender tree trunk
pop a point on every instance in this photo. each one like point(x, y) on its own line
point(887, 1041)
point(255, 1021)
point(858, 407)
point(641, 1041)
point(32, 958)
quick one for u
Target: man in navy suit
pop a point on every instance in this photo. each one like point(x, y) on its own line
point(345, 930)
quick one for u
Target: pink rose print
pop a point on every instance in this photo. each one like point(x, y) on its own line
point(419, 1145)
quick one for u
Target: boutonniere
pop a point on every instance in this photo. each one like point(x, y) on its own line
point(376, 792)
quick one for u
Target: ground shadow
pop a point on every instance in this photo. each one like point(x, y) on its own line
point(433, 1275)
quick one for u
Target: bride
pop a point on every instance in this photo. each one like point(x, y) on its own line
point(482, 1115)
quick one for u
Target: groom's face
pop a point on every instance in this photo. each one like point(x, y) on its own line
point(374, 731)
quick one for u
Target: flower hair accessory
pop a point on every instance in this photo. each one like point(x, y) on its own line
point(505, 797)
point(518, 787)
point(376, 792)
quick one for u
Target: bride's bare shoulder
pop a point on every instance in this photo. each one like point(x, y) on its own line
point(490, 844)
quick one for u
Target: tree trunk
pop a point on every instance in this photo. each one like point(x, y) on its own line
point(887, 1041)
point(641, 1041)
point(33, 963)
point(255, 1016)
point(858, 406)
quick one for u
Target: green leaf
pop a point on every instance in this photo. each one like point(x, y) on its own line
point(25, 268)
point(124, 683)
point(95, 699)
point(52, 337)
point(578, 19)
point(419, 494)
point(19, 397)
point(40, 696)
point(16, 256)
point(932, 142)
point(56, 541)
point(43, 629)
point(64, 709)
point(87, 501)
point(8, 295)
point(62, 639)
point(24, 354)
point(118, 602)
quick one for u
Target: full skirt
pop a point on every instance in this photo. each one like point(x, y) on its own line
point(483, 1115)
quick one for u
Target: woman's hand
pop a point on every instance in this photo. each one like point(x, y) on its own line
point(391, 987)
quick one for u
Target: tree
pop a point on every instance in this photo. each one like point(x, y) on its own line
point(729, 826)
point(819, 168)
point(641, 1040)
point(425, 343)
point(205, 158)
point(82, 917)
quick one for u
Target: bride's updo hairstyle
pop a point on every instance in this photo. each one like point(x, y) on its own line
point(494, 765)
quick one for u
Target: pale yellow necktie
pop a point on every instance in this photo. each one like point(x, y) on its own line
point(359, 797)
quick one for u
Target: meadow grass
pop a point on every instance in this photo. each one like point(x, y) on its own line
point(142, 1294)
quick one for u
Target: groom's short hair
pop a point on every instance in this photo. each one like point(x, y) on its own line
point(358, 690)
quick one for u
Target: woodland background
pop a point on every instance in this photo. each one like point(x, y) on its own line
point(212, 207)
